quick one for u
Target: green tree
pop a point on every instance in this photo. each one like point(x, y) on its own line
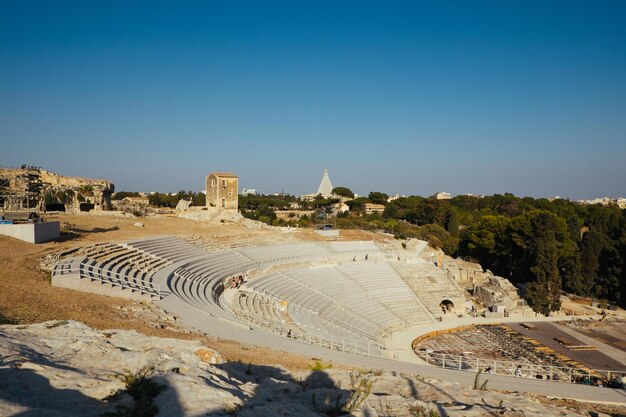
point(591, 247)
point(544, 293)
point(356, 205)
point(391, 212)
point(526, 230)
point(343, 191)
point(199, 200)
point(607, 284)
point(378, 197)
point(571, 272)
point(123, 194)
point(452, 222)
point(439, 237)
point(488, 241)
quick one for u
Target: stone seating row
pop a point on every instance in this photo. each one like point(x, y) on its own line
point(288, 287)
point(345, 292)
point(117, 264)
point(197, 281)
point(365, 246)
point(383, 282)
point(267, 253)
point(95, 249)
point(126, 279)
point(68, 266)
point(301, 323)
point(429, 283)
point(122, 260)
point(263, 308)
point(206, 272)
point(170, 248)
point(335, 334)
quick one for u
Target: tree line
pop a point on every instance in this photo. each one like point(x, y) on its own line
point(545, 245)
point(166, 199)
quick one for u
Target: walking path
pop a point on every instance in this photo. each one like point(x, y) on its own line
point(230, 329)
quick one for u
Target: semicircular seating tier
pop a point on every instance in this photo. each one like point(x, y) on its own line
point(342, 294)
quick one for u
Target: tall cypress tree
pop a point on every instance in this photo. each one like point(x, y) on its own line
point(544, 293)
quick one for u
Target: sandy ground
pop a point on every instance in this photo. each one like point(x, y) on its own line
point(26, 295)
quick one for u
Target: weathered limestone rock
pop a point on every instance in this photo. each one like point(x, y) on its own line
point(209, 356)
point(37, 188)
point(488, 289)
point(209, 214)
point(68, 369)
point(183, 205)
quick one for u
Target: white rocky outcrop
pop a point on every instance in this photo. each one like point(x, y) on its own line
point(70, 369)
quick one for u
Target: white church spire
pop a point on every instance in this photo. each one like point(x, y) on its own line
point(326, 187)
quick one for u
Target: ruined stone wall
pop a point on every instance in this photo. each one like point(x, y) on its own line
point(488, 289)
point(39, 185)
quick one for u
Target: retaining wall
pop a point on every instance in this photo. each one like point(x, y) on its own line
point(32, 232)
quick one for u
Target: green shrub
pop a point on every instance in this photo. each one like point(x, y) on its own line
point(143, 390)
point(319, 366)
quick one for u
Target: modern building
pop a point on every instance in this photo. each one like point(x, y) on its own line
point(249, 191)
point(370, 208)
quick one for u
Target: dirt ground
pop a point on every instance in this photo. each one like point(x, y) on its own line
point(26, 295)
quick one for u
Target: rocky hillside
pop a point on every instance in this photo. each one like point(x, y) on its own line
point(33, 187)
point(68, 369)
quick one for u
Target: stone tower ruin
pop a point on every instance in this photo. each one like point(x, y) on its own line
point(222, 190)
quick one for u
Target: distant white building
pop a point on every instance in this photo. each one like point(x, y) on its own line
point(370, 208)
point(442, 195)
point(341, 207)
point(326, 187)
point(249, 191)
point(393, 197)
point(620, 201)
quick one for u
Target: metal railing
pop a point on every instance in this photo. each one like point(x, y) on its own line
point(105, 276)
point(122, 280)
point(343, 344)
point(384, 331)
point(515, 368)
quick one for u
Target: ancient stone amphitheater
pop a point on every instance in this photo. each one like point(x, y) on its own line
point(358, 302)
point(346, 296)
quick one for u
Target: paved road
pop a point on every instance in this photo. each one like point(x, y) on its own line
point(227, 329)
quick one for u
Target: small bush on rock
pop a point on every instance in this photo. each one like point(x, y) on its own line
point(143, 390)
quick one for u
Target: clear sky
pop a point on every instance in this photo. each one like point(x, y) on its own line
point(480, 97)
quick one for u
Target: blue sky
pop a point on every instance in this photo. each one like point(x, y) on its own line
point(403, 97)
